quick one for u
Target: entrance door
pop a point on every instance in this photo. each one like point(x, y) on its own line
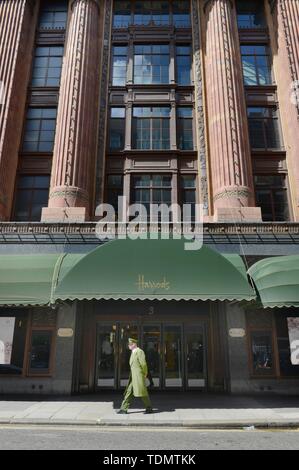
point(195, 360)
point(106, 363)
point(175, 354)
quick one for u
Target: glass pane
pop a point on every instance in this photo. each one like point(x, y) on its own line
point(151, 347)
point(195, 356)
point(262, 355)
point(173, 356)
point(106, 356)
point(40, 351)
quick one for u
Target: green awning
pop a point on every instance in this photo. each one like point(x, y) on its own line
point(27, 279)
point(277, 281)
point(152, 269)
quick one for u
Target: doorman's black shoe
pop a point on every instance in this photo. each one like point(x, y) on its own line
point(122, 412)
point(148, 411)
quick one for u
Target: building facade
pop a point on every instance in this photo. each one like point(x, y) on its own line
point(161, 102)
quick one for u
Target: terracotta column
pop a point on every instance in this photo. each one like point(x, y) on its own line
point(17, 27)
point(76, 129)
point(230, 156)
point(284, 32)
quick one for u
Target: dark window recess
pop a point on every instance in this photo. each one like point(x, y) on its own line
point(283, 343)
point(122, 14)
point(271, 195)
point(114, 190)
point(39, 131)
point(262, 353)
point(117, 128)
point(181, 13)
point(188, 197)
point(40, 351)
point(256, 65)
point(264, 128)
point(13, 328)
point(151, 128)
point(53, 14)
point(151, 64)
point(31, 196)
point(151, 13)
point(250, 14)
point(184, 128)
point(183, 65)
point(154, 13)
point(151, 189)
point(119, 65)
point(47, 66)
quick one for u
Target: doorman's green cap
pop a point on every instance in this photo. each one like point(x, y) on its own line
point(133, 340)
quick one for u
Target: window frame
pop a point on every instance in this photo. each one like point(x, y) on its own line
point(179, 127)
point(31, 189)
point(49, 46)
point(269, 64)
point(151, 128)
point(272, 189)
point(277, 127)
point(53, 330)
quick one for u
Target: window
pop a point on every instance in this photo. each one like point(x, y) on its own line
point(264, 128)
point(31, 196)
point(184, 128)
point(262, 352)
point(151, 189)
point(181, 14)
point(183, 65)
point(251, 14)
point(188, 195)
point(151, 128)
point(271, 196)
point(122, 14)
point(119, 68)
point(151, 12)
point(47, 66)
point(151, 64)
point(40, 352)
point(256, 65)
point(283, 343)
point(53, 14)
point(13, 328)
point(39, 130)
point(114, 190)
point(117, 128)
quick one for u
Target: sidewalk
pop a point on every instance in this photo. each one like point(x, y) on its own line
point(171, 409)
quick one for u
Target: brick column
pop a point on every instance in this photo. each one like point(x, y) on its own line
point(76, 129)
point(230, 155)
point(17, 27)
point(284, 32)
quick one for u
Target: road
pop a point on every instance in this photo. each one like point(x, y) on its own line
point(40, 437)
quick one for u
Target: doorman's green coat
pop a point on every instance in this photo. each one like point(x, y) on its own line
point(138, 373)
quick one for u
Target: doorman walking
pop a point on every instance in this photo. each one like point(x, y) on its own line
point(136, 386)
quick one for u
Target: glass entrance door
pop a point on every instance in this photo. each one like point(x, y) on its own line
point(195, 356)
point(175, 354)
point(106, 360)
point(126, 331)
point(173, 373)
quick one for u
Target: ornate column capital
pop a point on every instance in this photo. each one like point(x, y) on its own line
point(207, 2)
